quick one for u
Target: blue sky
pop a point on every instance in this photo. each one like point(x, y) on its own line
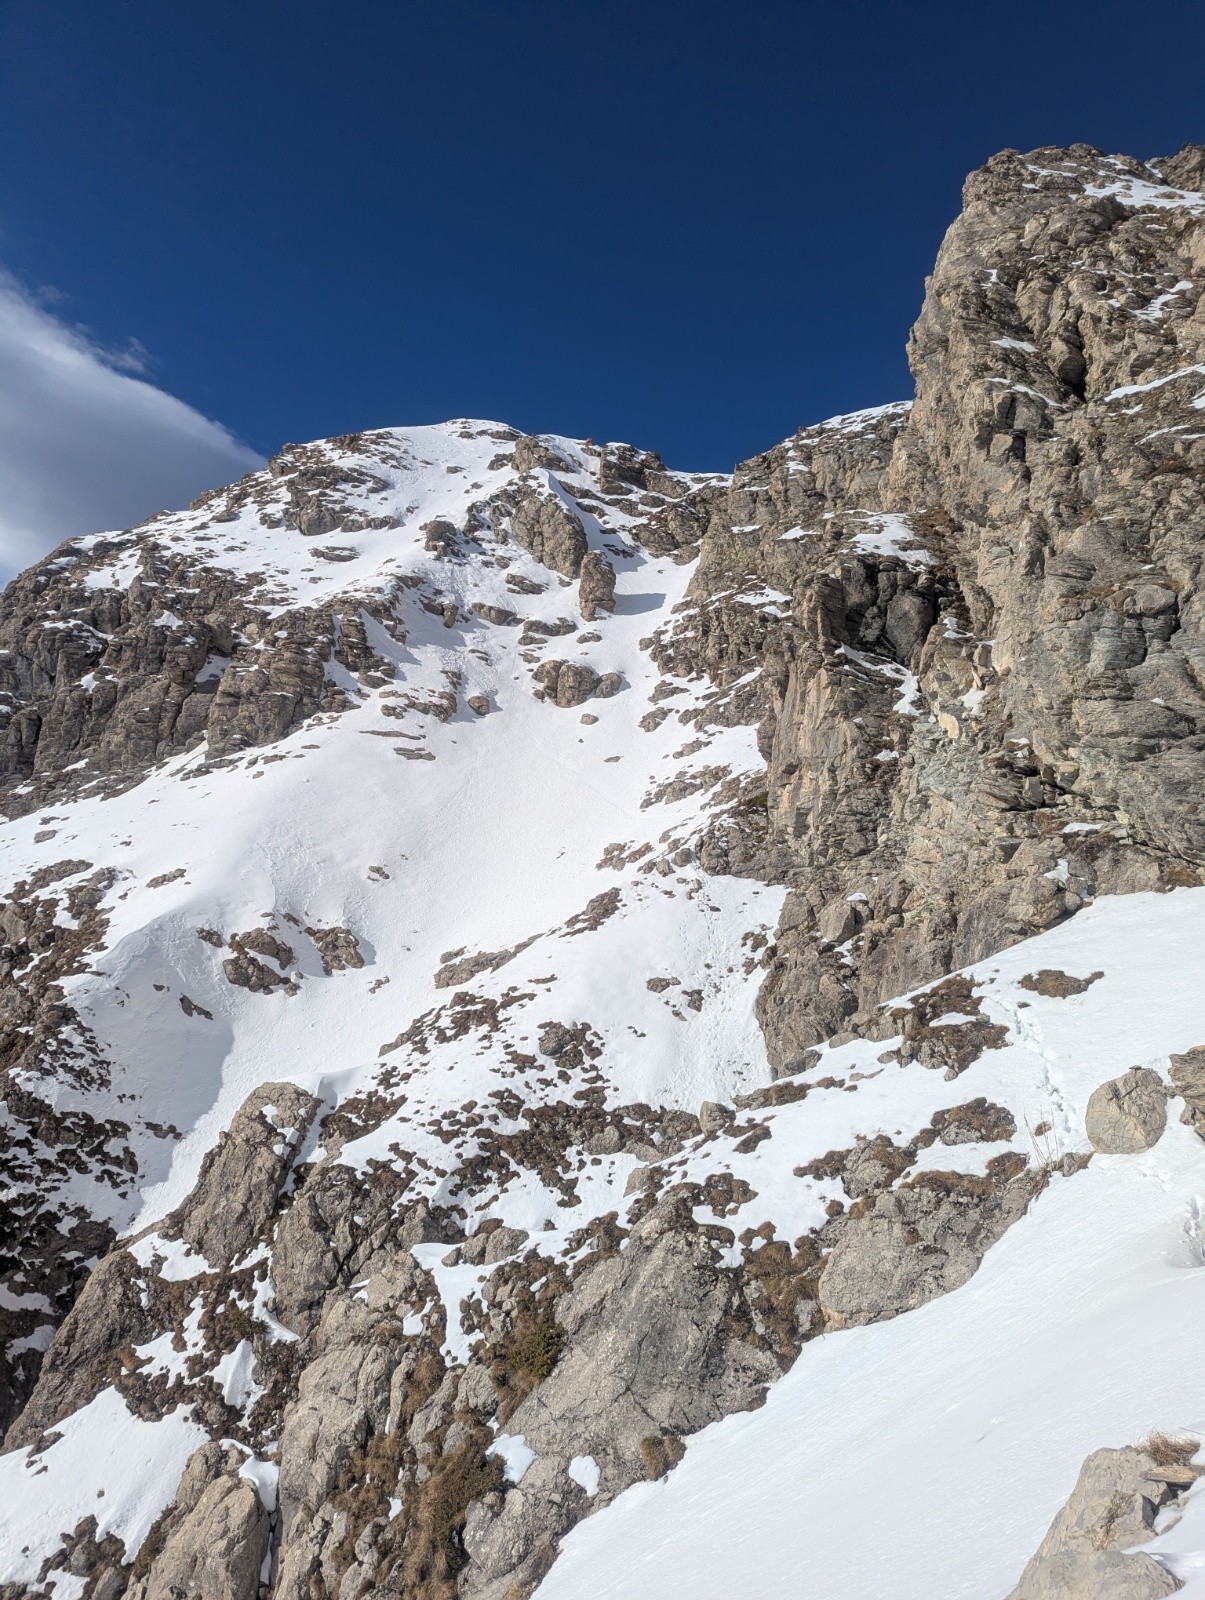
point(694, 226)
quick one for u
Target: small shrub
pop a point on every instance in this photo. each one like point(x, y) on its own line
point(535, 1350)
point(435, 1516)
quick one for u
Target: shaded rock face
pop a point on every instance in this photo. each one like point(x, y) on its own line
point(1089, 1554)
point(106, 674)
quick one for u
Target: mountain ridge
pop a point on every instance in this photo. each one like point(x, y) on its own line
point(407, 1156)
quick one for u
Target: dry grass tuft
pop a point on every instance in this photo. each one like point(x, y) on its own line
point(1165, 1451)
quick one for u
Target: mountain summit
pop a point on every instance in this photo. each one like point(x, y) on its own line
point(568, 1025)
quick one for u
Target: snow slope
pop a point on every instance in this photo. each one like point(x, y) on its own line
point(932, 1451)
point(493, 839)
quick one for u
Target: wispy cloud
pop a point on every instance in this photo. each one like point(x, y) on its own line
point(85, 443)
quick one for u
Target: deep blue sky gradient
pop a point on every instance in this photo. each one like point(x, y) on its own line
point(694, 226)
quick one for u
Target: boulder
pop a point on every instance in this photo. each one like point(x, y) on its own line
point(1128, 1114)
point(918, 1240)
point(566, 683)
point(550, 531)
point(1188, 1079)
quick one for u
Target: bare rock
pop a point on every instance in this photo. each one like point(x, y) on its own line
point(596, 588)
point(234, 1199)
point(1084, 1556)
point(915, 1242)
point(1128, 1114)
point(532, 451)
point(338, 947)
point(109, 1316)
point(246, 970)
point(343, 1395)
point(566, 683)
point(1188, 1079)
point(650, 1350)
point(544, 525)
point(500, 616)
point(216, 1550)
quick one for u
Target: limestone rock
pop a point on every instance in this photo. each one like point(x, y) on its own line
point(343, 1395)
point(545, 525)
point(648, 1350)
point(236, 1192)
point(596, 588)
point(1188, 1080)
point(1112, 1508)
point(916, 1242)
point(338, 948)
point(1127, 1114)
point(567, 683)
point(217, 1549)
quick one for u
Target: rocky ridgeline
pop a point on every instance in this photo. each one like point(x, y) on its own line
point(968, 632)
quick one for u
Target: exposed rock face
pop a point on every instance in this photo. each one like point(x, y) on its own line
point(915, 1242)
point(649, 1354)
point(1128, 1114)
point(1088, 1553)
point(216, 1542)
point(596, 588)
point(553, 533)
point(1020, 502)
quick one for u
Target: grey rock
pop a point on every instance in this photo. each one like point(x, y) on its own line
point(566, 683)
point(1112, 1508)
point(343, 1395)
point(1187, 1073)
point(544, 525)
point(713, 1117)
point(1128, 1114)
point(338, 948)
point(216, 1551)
point(648, 1351)
point(596, 588)
point(532, 451)
point(917, 1241)
point(109, 1314)
point(234, 1200)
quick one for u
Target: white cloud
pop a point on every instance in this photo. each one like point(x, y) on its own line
point(84, 444)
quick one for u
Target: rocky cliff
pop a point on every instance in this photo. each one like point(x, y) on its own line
point(499, 936)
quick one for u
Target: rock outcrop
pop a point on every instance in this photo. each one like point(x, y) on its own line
point(1089, 1552)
